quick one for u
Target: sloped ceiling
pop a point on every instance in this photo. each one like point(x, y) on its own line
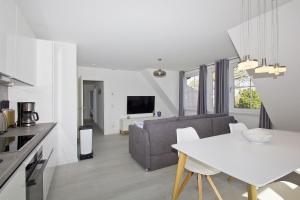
point(281, 96)
point(132, 34)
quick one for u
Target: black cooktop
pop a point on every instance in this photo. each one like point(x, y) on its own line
point(13, 143)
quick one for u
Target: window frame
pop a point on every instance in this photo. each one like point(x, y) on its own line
point(192, 73)
point(232, 108)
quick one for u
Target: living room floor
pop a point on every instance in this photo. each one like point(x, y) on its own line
point(112, 174)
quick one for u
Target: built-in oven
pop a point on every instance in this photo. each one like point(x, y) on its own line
point(34, 176)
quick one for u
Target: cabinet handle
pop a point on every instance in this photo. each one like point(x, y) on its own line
point(31, 183)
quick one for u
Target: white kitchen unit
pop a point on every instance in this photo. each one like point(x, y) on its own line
point(8, 18)
point(49, 153)
point(49, 146)
point(65, 100)
point(55, 93)
point(25, 51)
point(15, 187)
point(17, 44)
point(42, 92)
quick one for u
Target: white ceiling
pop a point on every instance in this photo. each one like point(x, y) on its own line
point(132, 34)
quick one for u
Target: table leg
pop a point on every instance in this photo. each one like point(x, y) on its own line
point(179, 172)
point(229, 178)
point(252, 193)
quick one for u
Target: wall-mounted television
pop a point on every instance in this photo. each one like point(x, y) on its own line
point(140, 104)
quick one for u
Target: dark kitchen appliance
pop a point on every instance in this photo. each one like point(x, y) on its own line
point(34, 176)
point(4, 104)
point(26, 114)
point(13, 143)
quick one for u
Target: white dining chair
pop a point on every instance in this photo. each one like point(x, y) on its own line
point(279, 190)
point(237, 128)
point(194, 166)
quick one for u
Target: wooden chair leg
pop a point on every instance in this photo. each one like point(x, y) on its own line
point(184, 183)
point(179, 172)
point(200, 192)
point(252, 193)
point(214, 187)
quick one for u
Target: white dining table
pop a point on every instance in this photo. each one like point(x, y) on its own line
point(255, 164)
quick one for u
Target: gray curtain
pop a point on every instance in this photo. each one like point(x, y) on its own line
point(202, 91)
point(181, 95)
point(222, 87)
point(264, 119)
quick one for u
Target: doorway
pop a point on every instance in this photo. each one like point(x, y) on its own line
point(93, 103)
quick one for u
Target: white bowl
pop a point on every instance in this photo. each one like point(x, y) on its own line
point(257, 135)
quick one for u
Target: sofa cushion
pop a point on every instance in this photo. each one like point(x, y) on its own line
point(202, 126)
point(201, 116)
point(221, 125)
point(162, 136)
point(148, 123)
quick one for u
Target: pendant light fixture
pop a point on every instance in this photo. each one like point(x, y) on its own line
point(277, 68)
point(263, 67)
point(247, 62)
point(159, 73)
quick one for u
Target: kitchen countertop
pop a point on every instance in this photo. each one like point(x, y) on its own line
point(11, 161)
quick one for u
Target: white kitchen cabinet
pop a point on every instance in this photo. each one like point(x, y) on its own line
point(50, 153)
point(65, 100)
point(49, 146)
point(25, 51)
point(8, 28)
point(15, 187)
point(42, 92)
point(17, 44)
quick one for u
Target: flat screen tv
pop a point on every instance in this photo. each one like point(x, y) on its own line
point(140, 104)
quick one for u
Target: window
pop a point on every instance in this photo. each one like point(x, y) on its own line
point(211, 89)
point(191, 95)
point(245, 95)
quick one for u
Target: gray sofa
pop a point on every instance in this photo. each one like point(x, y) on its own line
point(151, 146)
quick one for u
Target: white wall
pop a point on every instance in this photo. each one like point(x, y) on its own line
point(119, 84)
point(250, 120)
point(167, 88)
point(280, 96)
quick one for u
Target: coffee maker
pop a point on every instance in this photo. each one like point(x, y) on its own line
point(26, 114)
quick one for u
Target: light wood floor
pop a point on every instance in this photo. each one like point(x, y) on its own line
point(113, 174)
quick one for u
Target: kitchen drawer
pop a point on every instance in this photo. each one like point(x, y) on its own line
point(15, 187)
